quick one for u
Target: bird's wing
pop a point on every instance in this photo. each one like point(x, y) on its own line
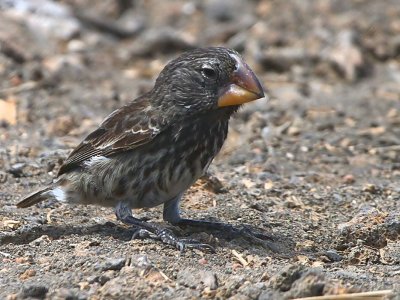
point(130, 126)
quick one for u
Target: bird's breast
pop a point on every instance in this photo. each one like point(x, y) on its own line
point(182, 157)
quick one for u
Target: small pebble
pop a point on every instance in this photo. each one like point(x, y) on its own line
point(349, 178)
point(370, 188)
point(27, 274)
point(203, 261)
point(333, 255)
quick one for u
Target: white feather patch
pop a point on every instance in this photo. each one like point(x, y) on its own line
point(96, 160)
point(59, 194)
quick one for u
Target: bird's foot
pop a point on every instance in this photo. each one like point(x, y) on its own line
point(166, 236)
point(144, 229)
point(230, 231)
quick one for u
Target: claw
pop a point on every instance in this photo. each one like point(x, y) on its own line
point(140, 233)
point(194, 244)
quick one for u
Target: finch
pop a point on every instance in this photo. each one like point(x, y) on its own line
point(150, 151)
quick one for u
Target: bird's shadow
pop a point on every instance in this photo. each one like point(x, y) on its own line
point(29, 233)
point(245, 236)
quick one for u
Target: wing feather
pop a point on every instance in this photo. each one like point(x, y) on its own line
point(125, 129)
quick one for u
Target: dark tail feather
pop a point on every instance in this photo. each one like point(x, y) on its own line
point(34, 198)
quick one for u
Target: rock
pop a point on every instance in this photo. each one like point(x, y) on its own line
point(127, 26)
point(391, 253)
point(310, 284)
point(394, 46)
point(283, 59)
point(238, 41)
point(115, 264)
point(252, 291)
point(13, 224)
point(62, 125)
point(27, 274)
point(67, 294)
point(267, 295)
point(102, 279)
point(8, 111)
point(46, 18)
point(191, 279)
point(234, 284)
point(224, 10)
point(93, 279)
point(371, 188)
point(371, 226)
point(113, 289)
point(333, 255)
point(44, 239)
point(164, 40)
point(17, 169)
point(3, 177)
point(362, 255)
point(347, 57)
point(349, 178)
point(289, 92)
point(65, 66)
point(12, 51)
point(296, 281)
point(76, 45)
point(293, 131)
point(210, 280)
point(188, 278)
point(34, 291)
point(284, 279)
point(141, 262)
point(212, 183)
point(24, 170)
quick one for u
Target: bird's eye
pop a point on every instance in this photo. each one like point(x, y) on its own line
point(208, 72)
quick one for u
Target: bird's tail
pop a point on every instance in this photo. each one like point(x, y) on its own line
point(34, 198)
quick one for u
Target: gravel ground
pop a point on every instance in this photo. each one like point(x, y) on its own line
point(317, 167)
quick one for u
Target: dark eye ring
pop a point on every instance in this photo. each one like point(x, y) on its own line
point(208, 72)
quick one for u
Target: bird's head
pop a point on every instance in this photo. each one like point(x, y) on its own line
point(206, 79)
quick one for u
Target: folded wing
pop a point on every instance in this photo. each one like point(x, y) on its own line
point(125, 129)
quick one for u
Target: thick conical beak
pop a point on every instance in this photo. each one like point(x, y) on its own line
point(243, 87)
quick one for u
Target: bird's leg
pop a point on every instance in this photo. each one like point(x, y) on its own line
point(171, 214)
point(124, 214)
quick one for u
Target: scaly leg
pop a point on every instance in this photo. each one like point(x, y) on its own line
point(171, 214)
point(124, 214)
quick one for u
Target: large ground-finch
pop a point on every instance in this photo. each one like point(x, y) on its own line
point(150, 151)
